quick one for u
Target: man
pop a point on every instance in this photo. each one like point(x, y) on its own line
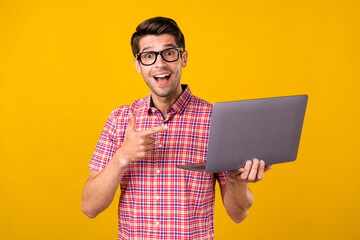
point(141, 144)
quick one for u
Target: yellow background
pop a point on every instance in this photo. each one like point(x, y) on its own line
point(64, 65)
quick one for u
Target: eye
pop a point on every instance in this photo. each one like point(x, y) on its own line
point(169, 52)
point(148, 55)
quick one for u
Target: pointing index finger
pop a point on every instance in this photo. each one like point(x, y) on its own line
point(155, 130)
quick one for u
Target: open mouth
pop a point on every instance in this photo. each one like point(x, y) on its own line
point(162, 78)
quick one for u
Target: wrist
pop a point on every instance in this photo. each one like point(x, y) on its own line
point(121, 162)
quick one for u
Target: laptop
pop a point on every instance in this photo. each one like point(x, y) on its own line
point(267, 129)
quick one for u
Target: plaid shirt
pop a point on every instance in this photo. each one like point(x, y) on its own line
point(159, 201)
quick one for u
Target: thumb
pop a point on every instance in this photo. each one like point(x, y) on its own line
point(132, 123)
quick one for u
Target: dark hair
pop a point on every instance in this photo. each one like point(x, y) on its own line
point(157, 26)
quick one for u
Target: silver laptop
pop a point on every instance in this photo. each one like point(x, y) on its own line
point(267, 128)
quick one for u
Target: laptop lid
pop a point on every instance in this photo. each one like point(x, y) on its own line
point(267, 128)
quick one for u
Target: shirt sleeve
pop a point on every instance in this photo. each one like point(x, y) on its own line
point(221, 177)
point(108, 142)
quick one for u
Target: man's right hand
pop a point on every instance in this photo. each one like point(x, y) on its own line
point(137, 145)
point(100, 188)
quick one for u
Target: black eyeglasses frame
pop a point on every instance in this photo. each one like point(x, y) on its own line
point(179, 49)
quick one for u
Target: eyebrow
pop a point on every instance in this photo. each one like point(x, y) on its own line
point(166, 45)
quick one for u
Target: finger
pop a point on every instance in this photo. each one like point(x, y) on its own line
point(154, 130)
point(132, 123)
point(268, 168)
point(148, 141)
point(260, 174)
point(143, 154)
point(254, 170)
point(148, 152)
point(247, 168)
point(148, 147)
point(240, 171)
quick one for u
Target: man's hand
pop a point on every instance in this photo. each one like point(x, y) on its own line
point(253, 171)
point(100, 188)
point(237, 197)
point(137, 145)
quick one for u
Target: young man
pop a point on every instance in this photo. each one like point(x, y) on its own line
point(142, 143)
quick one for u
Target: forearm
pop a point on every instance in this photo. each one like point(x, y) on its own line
point(100, 188)
point(99, 191)
point(236, 195)
point(237, 200)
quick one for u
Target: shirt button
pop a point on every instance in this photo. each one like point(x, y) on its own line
point(158, 171)
point(157, 197)
point(160, 145)
point(157, 223)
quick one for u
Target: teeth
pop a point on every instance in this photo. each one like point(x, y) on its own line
point(162, 75)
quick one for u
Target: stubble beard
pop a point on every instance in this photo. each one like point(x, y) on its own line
point(161, 94)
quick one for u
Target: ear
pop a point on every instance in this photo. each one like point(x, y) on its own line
point(137, 65)
point(184, 58)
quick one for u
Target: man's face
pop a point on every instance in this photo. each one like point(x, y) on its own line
point(163, 78)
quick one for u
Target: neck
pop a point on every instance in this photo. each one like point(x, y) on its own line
point(163, 103)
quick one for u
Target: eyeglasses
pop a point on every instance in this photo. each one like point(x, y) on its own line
point(169, 55)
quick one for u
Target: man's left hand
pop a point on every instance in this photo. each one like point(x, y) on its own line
point(253, 171)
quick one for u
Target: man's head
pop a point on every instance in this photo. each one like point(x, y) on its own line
point(157, 26)
point(158, 46)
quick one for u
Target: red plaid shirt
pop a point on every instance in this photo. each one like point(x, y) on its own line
point(159, 201)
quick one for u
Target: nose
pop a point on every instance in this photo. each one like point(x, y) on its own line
point(160, 61)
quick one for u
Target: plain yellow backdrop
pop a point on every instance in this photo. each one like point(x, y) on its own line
point(64, 65)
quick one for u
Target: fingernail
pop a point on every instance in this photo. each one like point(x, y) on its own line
point(262, 163)
point(256, 161)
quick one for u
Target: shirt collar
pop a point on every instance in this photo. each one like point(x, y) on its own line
point(180, 103)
